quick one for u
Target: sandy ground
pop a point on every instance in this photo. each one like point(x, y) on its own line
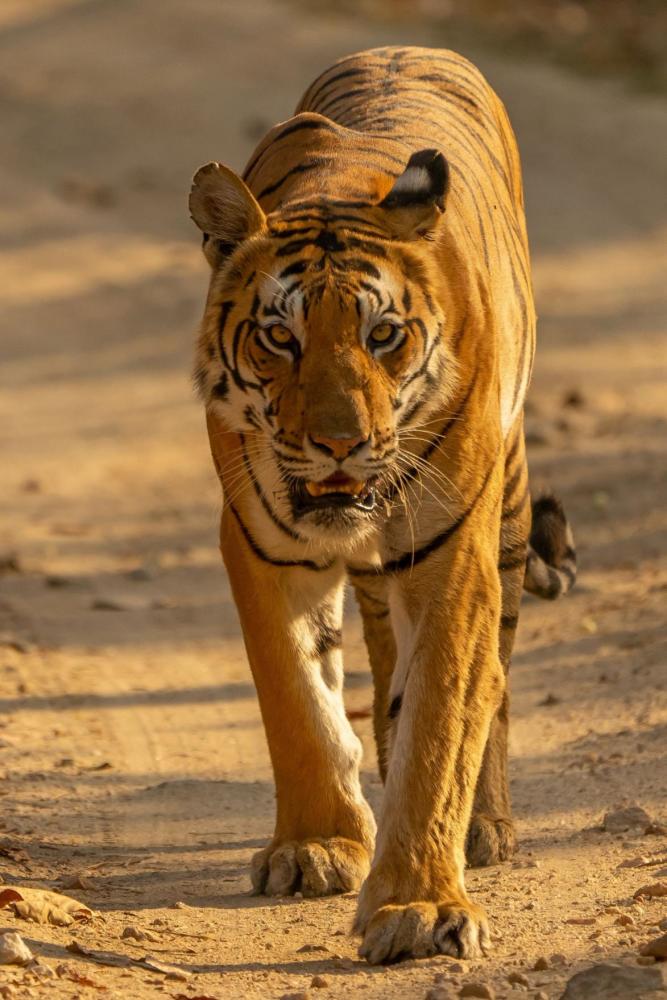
point(131, 749)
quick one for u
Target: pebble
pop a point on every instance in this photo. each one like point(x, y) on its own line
point(319, 982)
point(541, 964)
point(518, 979)
point(656, 830)
point(625, 920)
point(541, 995)
point(613, 982)
point(477, 990)
point(622, 818)
point(14, 950)
point(657, 948)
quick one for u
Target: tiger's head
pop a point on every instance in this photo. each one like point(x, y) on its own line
point(325, 339)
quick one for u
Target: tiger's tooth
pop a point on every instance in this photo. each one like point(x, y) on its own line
point(353, 488)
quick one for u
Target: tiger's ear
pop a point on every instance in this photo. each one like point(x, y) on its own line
point(225, 210)
point(417, 199)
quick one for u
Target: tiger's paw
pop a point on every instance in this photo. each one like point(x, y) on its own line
point(316, 867)
point(419, 930)
point(490, 840)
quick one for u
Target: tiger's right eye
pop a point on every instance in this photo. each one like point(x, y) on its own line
point(282, 339)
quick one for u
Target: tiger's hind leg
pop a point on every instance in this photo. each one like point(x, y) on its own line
point(371, 594)
point(491, 831)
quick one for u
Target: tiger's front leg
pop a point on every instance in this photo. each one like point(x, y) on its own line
point(450, 682)
point(291, 619)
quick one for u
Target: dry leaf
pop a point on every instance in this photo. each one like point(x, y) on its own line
point(43, 906)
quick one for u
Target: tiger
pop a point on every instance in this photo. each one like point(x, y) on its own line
point(363, 358)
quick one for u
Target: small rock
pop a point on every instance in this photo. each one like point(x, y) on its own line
point(550, 700)
point(14, 950)
point(558, 959)
point(10, 563)
point(296, 996)
point(179, 905)
point(622, 818)
point(646, 960)
point(75, 881)
point(518, 979)
point(454, 967)
point(657, 948)
point(311, 947)
point(581, 921)
point(574, 398)
point(625, 920)
point(541, 964)
point(613, 982)
point(138, 935)
point(656, 830)
point(41, 970)
point(319, 982)
point(477, 990)
point(138, 575)
point(541, 995)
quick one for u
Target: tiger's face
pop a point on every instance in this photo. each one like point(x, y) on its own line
point(322, 346)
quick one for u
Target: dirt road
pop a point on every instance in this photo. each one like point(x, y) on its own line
point(132, 754)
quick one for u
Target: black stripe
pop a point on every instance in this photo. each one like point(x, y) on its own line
point(261, 554)
point(300, 168)
point(509, 621)
point(395, 706)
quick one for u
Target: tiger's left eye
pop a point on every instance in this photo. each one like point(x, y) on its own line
point(386, 335)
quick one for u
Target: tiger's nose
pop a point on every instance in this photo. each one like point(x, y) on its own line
point(338, 447)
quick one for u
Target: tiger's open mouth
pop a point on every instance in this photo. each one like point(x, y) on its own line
point(338, 490)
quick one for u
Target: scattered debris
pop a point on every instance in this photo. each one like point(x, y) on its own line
point(623, 818)
point(14, 950)
point(613, 982)
point(43, 906)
